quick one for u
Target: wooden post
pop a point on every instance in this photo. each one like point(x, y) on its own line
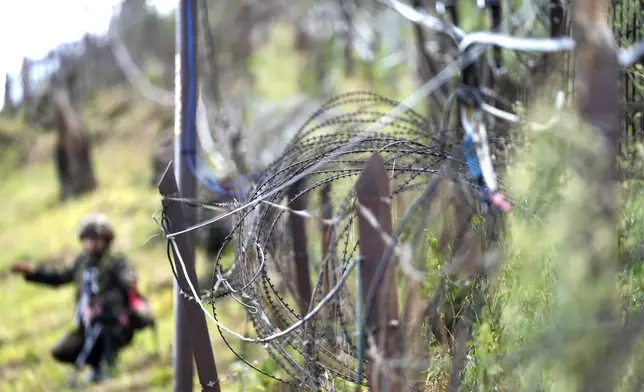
point(373, 194)
point(346, 8)
point(25, 74)
point(8, 102)
point(496, 13)
point(597, 95)
point(557, 19)
point(554, 61)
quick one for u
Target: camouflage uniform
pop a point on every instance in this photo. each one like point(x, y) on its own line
point(114, 274)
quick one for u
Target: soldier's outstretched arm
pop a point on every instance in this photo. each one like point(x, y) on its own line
point(51, 276)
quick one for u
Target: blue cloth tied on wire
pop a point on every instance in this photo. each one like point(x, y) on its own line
point(471, 159)
point(474, 167)
point(473, 98)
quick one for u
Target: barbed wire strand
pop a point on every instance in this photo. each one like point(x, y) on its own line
point(626, 56)
point(267, 339)
point(430, 86)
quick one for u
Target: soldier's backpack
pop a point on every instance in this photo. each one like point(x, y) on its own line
point(140, 311)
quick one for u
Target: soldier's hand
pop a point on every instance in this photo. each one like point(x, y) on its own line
point(22, 268)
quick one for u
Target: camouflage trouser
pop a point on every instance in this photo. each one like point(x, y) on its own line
point(69, 347)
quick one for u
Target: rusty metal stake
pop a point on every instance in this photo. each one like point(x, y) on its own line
point(297, 202)
point(298, 231)
point(373, 195)
point(327, 233)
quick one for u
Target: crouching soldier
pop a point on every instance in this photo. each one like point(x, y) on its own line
point(107, 310)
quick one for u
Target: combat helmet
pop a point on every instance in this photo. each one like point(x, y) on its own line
point(96, 224)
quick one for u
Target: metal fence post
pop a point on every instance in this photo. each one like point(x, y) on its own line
point(297, 201)
point(373, 195)
point(191, 331)
point(326, 236)
point(298, 231)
